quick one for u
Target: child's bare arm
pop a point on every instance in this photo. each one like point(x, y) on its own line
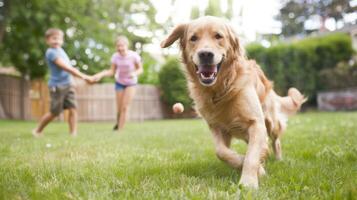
point(75, 72)
point(138, 68)
point(104, 73)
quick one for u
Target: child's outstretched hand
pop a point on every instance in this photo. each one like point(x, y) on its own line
point(97, 77)
point(89, 79)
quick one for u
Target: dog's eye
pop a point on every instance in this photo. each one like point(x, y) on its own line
point(194, 38)
point(218, 36)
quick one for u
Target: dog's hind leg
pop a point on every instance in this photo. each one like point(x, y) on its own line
point(274, 138)
point(277, 148)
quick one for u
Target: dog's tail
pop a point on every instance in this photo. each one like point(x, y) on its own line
point(292, 103)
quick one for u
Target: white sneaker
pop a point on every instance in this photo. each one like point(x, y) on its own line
point(73, 134)
point(36, 134)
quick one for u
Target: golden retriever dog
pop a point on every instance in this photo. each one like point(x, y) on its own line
point(232, 94)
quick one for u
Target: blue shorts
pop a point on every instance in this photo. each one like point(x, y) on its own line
point(119, 86)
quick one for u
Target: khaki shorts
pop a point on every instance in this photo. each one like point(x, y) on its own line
point(62, 97)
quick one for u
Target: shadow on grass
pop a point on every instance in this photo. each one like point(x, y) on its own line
point(202, 170)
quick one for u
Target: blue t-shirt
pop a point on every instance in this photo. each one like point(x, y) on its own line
point(58, 76)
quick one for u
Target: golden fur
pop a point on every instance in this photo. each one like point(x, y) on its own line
point(241, 103)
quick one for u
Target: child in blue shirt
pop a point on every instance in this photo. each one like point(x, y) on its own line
point(61, 91)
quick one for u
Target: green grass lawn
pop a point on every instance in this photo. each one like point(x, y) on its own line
point(174, 159)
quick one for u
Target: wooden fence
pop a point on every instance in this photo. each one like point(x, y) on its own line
point(97, 102)
point(345, 99)
point(14, 98)
point(39, 99)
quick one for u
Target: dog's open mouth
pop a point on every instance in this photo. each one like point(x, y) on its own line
point(207, 74)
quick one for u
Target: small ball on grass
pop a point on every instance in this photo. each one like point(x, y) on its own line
point(177, 108)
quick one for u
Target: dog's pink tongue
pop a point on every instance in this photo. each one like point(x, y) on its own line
point(207, 68)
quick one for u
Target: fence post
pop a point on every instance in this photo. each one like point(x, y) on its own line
point(22, 97)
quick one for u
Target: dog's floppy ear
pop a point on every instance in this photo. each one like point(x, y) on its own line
point(177, 33)
point(234, 40)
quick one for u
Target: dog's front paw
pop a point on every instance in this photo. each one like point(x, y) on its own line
point(279, 157)
point(249, 182)
point(261, 171)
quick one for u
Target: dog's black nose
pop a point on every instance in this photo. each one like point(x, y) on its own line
point(206, 57)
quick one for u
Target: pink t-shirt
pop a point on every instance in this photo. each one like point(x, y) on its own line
point(125, 67)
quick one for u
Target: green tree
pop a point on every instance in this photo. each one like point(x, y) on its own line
point(90, 28)
point(173, 83)
point(4, 7)
point(213, 9)
point(294, 13)
point(333, 9)
point(292, 16)
point(195, 12)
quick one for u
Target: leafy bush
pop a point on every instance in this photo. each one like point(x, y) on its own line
point(150, 74)
point(298, 64)
point(173, 83)
point(342, 76)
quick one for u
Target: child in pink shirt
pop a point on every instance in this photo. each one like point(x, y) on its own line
point(125, 71)
point(125, 66)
